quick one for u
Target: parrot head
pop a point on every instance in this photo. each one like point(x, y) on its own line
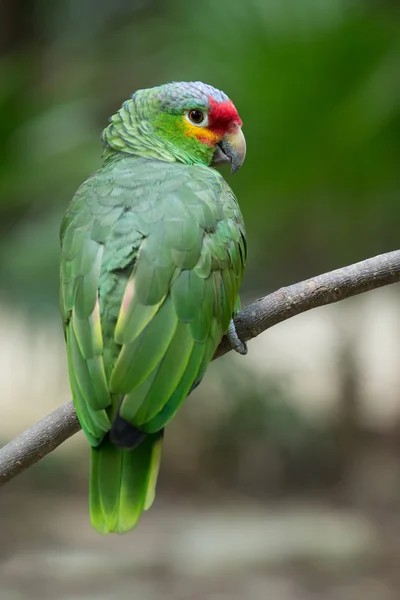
point(192, 123)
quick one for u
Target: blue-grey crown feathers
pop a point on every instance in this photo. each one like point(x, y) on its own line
point(177, 95)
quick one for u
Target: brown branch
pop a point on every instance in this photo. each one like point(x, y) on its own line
point(55, 428)
point(37, 441)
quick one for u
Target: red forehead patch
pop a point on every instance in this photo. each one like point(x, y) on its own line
point(222, 116)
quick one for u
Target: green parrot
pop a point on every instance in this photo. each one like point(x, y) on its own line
point(153, 251)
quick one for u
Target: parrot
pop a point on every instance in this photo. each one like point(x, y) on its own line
point(153, 251)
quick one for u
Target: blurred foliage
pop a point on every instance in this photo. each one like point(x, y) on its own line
point(266, 444)
point(317, 84)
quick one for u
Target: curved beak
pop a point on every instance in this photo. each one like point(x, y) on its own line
point(231, 149)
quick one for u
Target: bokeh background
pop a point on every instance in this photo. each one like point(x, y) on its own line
point(281, 474)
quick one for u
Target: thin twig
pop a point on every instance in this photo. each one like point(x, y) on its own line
point(43, 437)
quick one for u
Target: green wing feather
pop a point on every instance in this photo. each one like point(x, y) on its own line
point(152, 258)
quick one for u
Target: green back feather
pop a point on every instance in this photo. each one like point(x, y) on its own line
point(148, 289)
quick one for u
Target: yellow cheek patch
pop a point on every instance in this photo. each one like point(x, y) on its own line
point(204, 135)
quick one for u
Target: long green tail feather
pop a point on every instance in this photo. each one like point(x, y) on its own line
point(122, 483)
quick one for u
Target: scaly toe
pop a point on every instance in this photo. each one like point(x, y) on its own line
point(236, 344)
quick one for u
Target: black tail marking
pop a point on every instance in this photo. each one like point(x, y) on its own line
point(125, 435)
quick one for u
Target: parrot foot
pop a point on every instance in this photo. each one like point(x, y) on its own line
point(233, 338)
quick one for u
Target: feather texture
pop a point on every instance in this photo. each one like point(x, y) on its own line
point(153, 254)
point(122, 483)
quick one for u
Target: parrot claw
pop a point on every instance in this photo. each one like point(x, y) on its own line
point(236, 344)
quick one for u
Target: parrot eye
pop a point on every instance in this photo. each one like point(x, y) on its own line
point(196, 116)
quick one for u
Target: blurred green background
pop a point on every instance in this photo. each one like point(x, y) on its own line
point(281, 475)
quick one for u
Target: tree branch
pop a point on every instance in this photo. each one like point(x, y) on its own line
point(55, 428)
